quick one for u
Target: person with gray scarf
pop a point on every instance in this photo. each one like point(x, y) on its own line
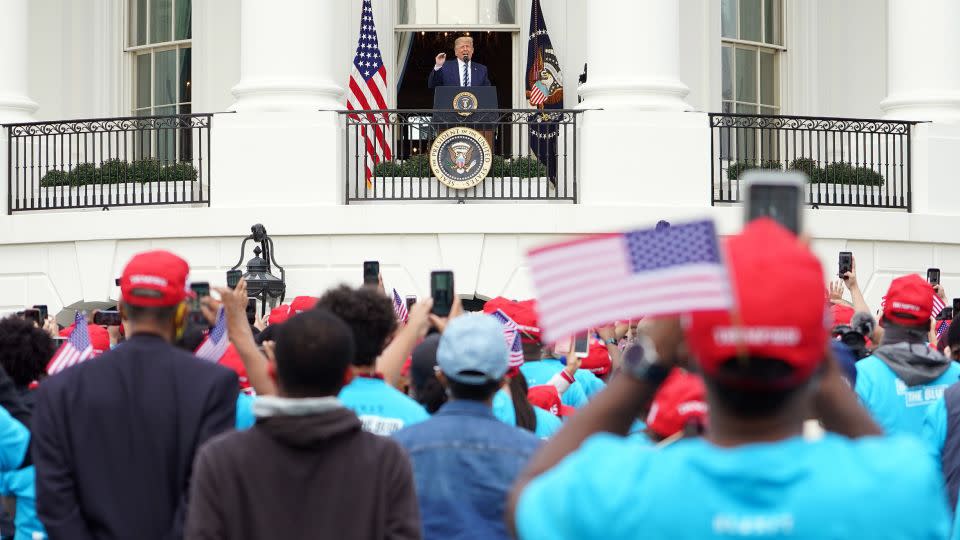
point(904, 375)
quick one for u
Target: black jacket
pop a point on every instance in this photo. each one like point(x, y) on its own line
point(115, 437)
point(303, 477)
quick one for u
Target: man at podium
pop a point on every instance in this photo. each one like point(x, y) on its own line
point(463, 72)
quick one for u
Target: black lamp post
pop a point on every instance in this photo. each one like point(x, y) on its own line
point(267, 288)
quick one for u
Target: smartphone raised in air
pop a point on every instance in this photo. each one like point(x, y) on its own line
point(581, 345)
point(441, 290)
point(371, 273)
point(777, 195)
point(933, 276)
point(845, 263)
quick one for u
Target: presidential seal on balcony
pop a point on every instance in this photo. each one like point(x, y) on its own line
point(465, 103)
point(460, 158)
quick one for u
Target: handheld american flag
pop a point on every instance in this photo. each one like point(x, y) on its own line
point(938, 305)
point(590, 281)
point(368, 85)
point(511, 334)
point(399, 307)
point(75, 350)
point(216, 342)
point(942, 326)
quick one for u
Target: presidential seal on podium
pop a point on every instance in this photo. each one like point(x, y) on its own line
point(460, 158)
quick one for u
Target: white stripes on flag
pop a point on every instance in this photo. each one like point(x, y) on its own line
point(68, 356)
point(938, 305)
point(536, 96)
point(590, 282)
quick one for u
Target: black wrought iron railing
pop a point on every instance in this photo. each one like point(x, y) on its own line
point(848, 161)
point(388, 155)
point(105, 162)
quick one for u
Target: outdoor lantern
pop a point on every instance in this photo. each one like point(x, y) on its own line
point(268, 289)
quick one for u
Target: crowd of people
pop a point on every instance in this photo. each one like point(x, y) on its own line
point(797, 413)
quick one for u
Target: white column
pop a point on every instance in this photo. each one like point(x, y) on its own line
point(286, 58)
point(638, 145)
point(15, 106)
point(923, 60)
point(633, 55)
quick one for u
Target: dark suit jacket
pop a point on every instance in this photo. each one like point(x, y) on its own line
point(115, 438)
point(449, 75)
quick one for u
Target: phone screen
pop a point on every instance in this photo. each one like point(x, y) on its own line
point(371, 272)
point(44, 313)
point(233, 278)
point(251, 310)
point(778, 202)
point(846, 263)
point(933, 276)
point(200, 289)
point(107, 318)
point(956, 305)
point(441, 290)
point(581, 344)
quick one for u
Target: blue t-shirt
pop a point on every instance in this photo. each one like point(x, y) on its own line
point(876, 487)
point(381, 408)
point(20, 484)
point(245, 417)
point(540, 372)
point(591, 383)
point(934, 430)
point(896, 407)
point(547, 424)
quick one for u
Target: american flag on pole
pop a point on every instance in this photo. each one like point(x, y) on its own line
point(367, 88)
point(942, 326)
point(590, 281)
point(76, 349)
point(215, 344)
point(400, 307)
point(511, 334)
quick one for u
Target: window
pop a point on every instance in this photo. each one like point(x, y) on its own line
point(465, 12)
point(752, 40)
point(159, 41)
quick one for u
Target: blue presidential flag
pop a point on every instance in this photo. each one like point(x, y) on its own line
point(544, 91)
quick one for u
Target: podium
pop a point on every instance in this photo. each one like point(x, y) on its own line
point(463, 106)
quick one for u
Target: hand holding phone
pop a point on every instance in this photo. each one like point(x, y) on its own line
point(44, 312)
point(200, 289)
point(933, 276)
point(845, 264)
point(233, 278)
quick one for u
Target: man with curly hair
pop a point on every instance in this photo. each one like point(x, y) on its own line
point(382, 409)
point(24, 353)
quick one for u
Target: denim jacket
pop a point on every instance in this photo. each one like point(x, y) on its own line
point(464, 462)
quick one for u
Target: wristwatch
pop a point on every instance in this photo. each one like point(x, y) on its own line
point(641, 362)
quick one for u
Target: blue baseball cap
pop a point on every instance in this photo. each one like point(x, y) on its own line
point(472, 350)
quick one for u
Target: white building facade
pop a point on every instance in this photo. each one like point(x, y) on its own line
point(276, 151)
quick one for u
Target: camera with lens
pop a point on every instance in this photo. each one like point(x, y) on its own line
point(854, 335)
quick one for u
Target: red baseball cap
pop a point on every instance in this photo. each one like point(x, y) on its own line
point(99, 337)
point(840, 315)
point(766, 262)
point(302, 303)
point(547, 398)
point(598, 358)
point(680, 399)
point(279, 314)
point(523, 312)
point(909, 301)
point(154, 279)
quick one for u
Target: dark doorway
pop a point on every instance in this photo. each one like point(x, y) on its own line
point(492, 49)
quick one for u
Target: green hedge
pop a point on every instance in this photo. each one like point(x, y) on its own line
point(833, 173)
point(419, 167)
point(117, 171)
